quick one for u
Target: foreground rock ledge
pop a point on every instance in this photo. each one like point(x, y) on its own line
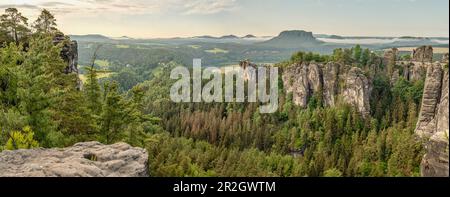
point(88, 159)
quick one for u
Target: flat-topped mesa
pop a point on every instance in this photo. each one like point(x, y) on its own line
point(306, 80)
point(89, 159)
point(433, 123)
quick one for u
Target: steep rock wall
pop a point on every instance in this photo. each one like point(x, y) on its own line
point(433, 124)
point(306, 79)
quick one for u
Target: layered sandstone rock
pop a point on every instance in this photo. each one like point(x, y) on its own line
point(69, 54)
point(295, 79)
point(390, 56)
point(90, 159)
point(423, 54)
point(357, 90)
point(433, 124)
point(426, 125)
point(330, 83)
point(307, 79)
point(445, 58)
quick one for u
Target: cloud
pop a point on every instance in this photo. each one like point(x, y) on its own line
point(19, 6)
point(184, 7)
point(209, 6)
point(54, 4)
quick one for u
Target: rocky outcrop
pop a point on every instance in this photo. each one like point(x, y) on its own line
point(422, 54)
point(426, 125)
point(433, 124)
point(445, 58)
point(330, 83)
point(416, 68)
point(90, 159)
point(296, 81)
point(307, 79)
point(390, 56)
point(315, 79)
point(395, 76)
point(357, 90)
point(246, 65)
point(69, 54)
point(414, 71)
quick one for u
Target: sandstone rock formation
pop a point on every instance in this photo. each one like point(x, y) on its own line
point(413, 71)
point(433, 124)
point(330, 83)
point(357, 90)
point(69, 54)
point(90, 159)
point(445, 58)
point(395, 76)
point(390, 56)
point(295, 80)
point(426, 125)
point(423, 54)
point(307, 79)
point(416, 68)
point(245, 65)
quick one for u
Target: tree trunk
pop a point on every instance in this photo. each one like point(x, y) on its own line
point(16, 39)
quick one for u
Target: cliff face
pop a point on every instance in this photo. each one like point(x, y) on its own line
point(423, 54)
point(433, 124)
point(357, 91)
point(90, 159)
point(390, 56)
point(307, 79)
point(69, 54)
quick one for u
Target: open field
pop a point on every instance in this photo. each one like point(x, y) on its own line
point(102, 63)
point(122, 46)
point(216, 51)
point(195, 46)
point(99, 76)
point(438, 50)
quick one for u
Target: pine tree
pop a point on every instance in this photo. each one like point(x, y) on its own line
point(113, 117)
point(45, 23)
point(357, 52)
point(23, 139)
point(412, 115)
point(15, 24)
point(92, 88)
point(41, 81)
point(365, 57)
point(9, 71)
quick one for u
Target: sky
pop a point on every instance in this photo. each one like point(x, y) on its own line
point(185, 18)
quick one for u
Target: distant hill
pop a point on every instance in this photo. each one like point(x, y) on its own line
point(336, 37)
point(229, 37)
point(249, 36)
point(293, 39)
point(90, 38)
point(205, 37)
point(212, 37)
point(125, 38)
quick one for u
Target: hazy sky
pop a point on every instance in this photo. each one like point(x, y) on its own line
point(173, 18)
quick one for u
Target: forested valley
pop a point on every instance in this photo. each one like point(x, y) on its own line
point(41, 105)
